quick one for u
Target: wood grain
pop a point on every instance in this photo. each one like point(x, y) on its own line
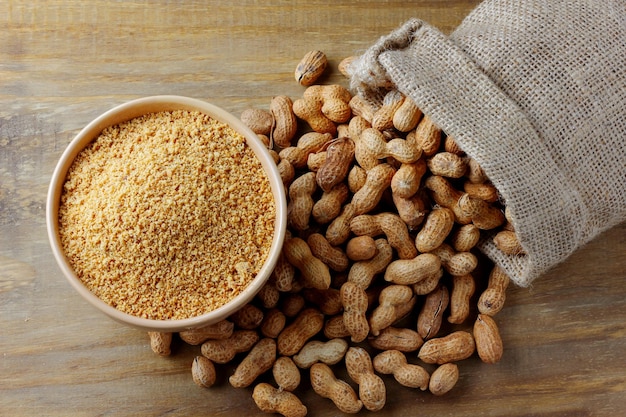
point(62, 63)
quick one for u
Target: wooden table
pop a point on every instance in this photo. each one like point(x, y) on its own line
point(62, 63)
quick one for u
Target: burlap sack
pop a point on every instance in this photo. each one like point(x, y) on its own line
point(535, 91)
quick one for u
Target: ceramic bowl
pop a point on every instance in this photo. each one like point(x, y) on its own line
point(132, 110)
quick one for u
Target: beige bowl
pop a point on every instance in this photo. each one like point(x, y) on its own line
point(132, 110)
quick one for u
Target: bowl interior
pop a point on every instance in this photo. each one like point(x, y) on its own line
point(129, 111)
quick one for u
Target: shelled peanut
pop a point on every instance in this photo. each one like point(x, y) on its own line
point(380, 259)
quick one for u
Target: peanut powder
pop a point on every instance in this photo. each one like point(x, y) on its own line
point(160, 215)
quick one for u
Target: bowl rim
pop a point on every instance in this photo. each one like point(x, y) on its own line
point(132, 109)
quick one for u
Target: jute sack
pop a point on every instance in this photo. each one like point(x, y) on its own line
point(535, 91)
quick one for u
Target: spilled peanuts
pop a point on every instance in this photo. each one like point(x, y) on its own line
point(379, 269)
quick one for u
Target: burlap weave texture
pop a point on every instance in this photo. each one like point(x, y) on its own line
point(535, 91)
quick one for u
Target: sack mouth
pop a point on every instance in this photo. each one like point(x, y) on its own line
point(490, 127)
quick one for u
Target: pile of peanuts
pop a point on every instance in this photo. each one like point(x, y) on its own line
point(379, 261)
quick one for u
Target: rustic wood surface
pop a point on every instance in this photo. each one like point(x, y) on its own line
point(62, 63)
